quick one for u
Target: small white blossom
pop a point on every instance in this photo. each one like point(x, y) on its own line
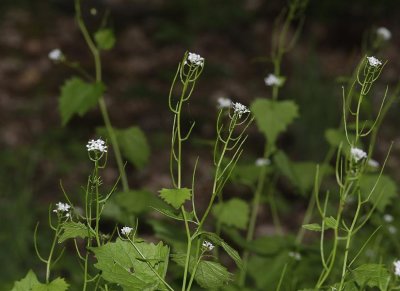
point(126, 230)
point(195, 59)
point(388, 218)
point(62, 207)
point(261, 162)
point(295, 255)
point(97, 145)
point(392, 229)
point(372, 163)
point(374, 62)
point(209, 246)
point(384, 33)
point(56, 55)
point(357, 154)
point(240, 109)
point(396, 267)
point(224, 102)
point(272, 80)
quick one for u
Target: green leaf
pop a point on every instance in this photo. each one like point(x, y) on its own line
point(372, 275)
point(273, 117)
point(227, 248)
point(72, 229)
point(336, 136)
point(105, 39)
point(57, 284)
point(312, 227)
point(137, 201)
point(175, 197)
point(122, 264)
point(134, 146)
point(246, 174)
point(209, 275)
point(77, 97)
point(26, 283)
point(383, 193)
point(234, 212)
point(330, 222)
point(270, 245)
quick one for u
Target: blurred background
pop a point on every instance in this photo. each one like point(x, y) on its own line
point(234, 36)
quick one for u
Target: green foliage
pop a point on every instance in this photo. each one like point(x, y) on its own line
point(137, 201)
point(72, 229)
point(234, 212)
point(382, 191)
point(372, 275)
point(246, 174)
point(175, 197)
point(105, 39)
point(312, 227)
point(31, 283)
point(121, 263)
point(335, 137)
point(78, 97)
point(300, 174)
point(209, 275)
point(273, 117)
point(134, 145)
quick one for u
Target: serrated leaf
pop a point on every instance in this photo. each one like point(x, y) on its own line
point(209, 275)
point(175, 197)
point(273, 117)
point(105, 39)
point(77, 97)
point(330, 222)
point(227, 248)
point(312, 227)
point(121, 263)
point(383, 193)
point(372, 275)
point(72, 229)
point(26, 283)
point(57, 284)
point(234, 212)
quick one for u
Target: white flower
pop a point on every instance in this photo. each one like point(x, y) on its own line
point(62, 207)
point(357, 154)
point(126, 230)
point(384, 33)
point(372, 163)
point(396, 267)
point(392, 229)
point(240, 109)
point(224, 102)
point(272, 80)
point(56, 55)
point(295, 255)
point(97, 145)
point(195, 59)
point(261, 162)
point(388, 218)
point(374, 62)
point(209, 246)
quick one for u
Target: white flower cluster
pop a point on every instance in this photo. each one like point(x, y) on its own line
point(295, 255)
point(126, 230)
point(384, 33)
point(374, 62)
point(240, 109)
point(209, 246)
point(261, 162)
point(62, 207)
point(97, 145)
point(272, 80)
point(373, 164)
point(56, 55)
point(396, 267)
point(357, 154)
point(224, 102)
point(195, 59)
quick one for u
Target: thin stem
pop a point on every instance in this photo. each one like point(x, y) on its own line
point(48, 265)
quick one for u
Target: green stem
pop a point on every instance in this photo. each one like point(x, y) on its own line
point(48, 265)
point(188, 250)
point(96, 181)
point(103, 108)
